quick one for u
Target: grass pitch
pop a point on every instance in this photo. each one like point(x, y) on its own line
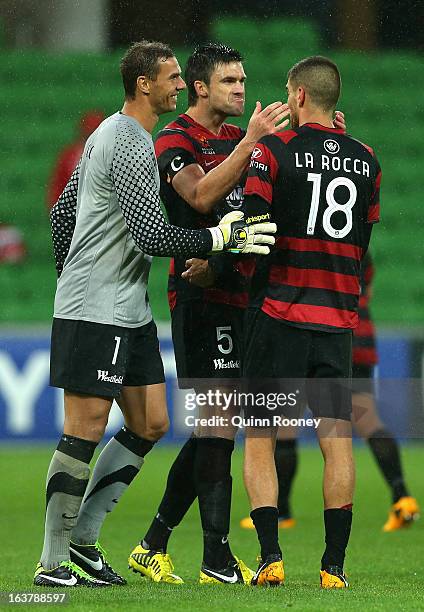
point(386, 571)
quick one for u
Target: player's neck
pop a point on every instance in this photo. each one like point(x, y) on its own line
point(209, 120)
point(141, 113)
point(315, 116)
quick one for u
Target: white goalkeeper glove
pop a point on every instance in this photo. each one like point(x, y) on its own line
point(232, 234)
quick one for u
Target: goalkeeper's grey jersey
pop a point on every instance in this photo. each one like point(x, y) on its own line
point(107, 224)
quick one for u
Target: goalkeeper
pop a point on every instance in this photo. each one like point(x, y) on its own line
point(106, 226)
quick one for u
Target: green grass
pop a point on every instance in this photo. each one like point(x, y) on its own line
point(386, 570)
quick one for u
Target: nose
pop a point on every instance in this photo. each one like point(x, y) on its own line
point(238, 89)
point(181, 84)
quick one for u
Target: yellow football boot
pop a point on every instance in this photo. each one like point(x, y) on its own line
point(154, 564)
point(402, 514)
point(270, 572)
point(333, 578)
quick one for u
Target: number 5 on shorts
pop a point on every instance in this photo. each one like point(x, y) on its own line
point(221, 336)
point(115, 354)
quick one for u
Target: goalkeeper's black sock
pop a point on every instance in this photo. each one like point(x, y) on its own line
point(179, 494)
point(386, 452)
point(213, 485)
point(265, 520)
point(338, 523)
point(286, 465)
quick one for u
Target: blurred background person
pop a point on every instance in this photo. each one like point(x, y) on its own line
point(70, 154)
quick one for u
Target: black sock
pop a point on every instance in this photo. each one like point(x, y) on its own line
point(265, 520)
point(286, 465)
point(213, 486)
point(386, 452)
point(338, 523)
point(179, 494)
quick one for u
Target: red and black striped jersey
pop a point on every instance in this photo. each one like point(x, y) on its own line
point(364, 347)
point(321, 187)
point(179, 144)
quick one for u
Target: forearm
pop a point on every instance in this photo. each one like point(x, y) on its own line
point(220, 181)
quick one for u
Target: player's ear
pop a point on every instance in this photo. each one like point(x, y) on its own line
point(301, 95)
point(143, 85)
point(201, 89)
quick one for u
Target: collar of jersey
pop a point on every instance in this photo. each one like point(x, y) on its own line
point(199, 125)
point(318, 126)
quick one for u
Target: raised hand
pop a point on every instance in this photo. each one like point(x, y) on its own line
point(267, 121)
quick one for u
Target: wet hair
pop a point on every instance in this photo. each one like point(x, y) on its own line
point(203, 61)
point(320, 78)
point(142, 59)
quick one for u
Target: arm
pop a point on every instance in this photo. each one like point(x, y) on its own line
point(62, 220)
point(201, 190)
point(133, 173)
point(135, 182)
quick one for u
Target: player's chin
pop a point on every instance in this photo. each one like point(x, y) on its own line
point(237, 109)
point(173, 102)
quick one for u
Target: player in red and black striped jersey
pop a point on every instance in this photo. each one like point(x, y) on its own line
point(321, 187)
point(202, 163)
point(366, 422)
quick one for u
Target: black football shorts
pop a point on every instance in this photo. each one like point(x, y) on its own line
point(318, 362)
point(207, 341)
point(363, 379)
point(97, 359)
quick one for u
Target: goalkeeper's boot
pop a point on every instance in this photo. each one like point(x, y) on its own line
point(284, 522)
point(333, 577)
point(402, 514)
point(66, 574)
point(154, 564)
point(236, 572)
point(92, 559)
point(270, 572)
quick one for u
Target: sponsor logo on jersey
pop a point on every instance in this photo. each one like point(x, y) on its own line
point(331, 146)
point(235, 198)
point(256, 153)
point(221, 364)
point(258, 165)
point(104, 376)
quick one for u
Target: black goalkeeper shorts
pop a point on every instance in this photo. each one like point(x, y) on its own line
point(97, 359)
point(318, 362)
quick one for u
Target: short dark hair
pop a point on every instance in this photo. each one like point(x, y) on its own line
point(321, 79)
point(203, 61)
point(142, 59)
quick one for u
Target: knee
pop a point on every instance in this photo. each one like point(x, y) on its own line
point(157, 429)
point(92, 427)
point(154, 430)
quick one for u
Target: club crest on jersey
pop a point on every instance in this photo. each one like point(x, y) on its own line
point(203, 140)
point(256, 153)
point(206, 147)
point(331, 146)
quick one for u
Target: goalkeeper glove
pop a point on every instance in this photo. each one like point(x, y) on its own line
point(233, 235)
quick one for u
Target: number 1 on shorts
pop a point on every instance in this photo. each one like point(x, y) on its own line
point(115, 354)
